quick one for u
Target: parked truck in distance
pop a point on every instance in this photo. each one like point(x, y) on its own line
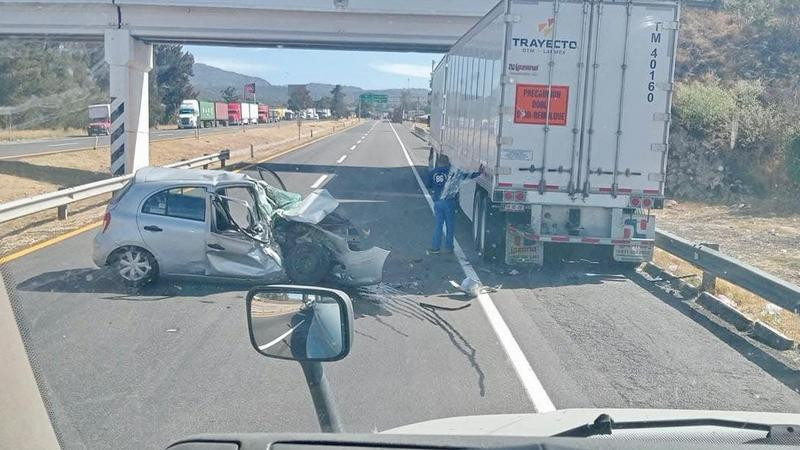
point(189, 114)
point(263, 113)
point(234, 113)
point(565, 126)
point(253, 115)
point(213, 114)
point(99, 119)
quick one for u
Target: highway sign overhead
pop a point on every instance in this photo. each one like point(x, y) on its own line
point(374, 98)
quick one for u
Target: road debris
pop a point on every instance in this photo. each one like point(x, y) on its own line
point(472, 288)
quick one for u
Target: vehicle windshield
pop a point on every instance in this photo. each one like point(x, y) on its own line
point(533, 206)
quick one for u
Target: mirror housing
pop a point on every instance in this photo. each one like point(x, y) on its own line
point(300, 323)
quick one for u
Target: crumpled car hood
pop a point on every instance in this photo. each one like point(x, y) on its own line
point(312, 209)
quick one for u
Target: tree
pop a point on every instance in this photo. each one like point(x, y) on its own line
point(337, 102)
point(323, 103)
point(299, 98)
point(171, 74)
point(229, 94)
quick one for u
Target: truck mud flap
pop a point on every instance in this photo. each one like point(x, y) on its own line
point(520, 249)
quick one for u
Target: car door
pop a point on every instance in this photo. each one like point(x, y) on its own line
point(231, 253)
point(173, 224)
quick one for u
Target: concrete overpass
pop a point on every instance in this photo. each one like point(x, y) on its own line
point(130, 27)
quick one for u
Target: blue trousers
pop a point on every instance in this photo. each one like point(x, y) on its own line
point(445, 211)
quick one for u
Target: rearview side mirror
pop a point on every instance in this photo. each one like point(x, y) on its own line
point(300, 323)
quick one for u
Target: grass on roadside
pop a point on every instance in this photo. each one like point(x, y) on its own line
point(750, 304)
point(47, 133)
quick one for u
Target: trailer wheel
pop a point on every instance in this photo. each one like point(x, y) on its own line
point(491, 242)
point(476, 217)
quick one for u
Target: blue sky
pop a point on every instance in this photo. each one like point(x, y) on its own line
point(369, 70)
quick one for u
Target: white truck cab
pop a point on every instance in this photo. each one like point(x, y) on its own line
point(189, 114)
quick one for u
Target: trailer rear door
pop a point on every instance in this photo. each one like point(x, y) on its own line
point(543, 95)
point(629, 96)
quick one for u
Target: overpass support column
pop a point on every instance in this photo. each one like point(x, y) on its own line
point(129, 64)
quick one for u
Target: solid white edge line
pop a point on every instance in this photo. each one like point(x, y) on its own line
point(339, 161)
point(319, 181)
point(353, 147)
point(280, 338)
point(530, 382)
point(61, 145)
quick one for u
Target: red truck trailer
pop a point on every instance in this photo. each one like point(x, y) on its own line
point(221, 113)
point(234, 113)
point(263, 113)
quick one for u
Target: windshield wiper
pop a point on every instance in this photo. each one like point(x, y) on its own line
point(604, 425)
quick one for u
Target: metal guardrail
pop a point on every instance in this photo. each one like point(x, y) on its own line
point(420, 132)
point(769, 287)
point(60, 199)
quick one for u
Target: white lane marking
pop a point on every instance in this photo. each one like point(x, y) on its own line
point(359, 141)
point(536, 393)
point(319, 181)
point(165, 134)
point(353, 147)
point(339, 161)
point(61, 145)
point(279, 338)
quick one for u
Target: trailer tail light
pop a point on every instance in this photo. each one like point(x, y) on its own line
point(106, 220)
point(647, 202)
point(636, 201)
point(508, 196)
point(520, 196)
point(643, 224)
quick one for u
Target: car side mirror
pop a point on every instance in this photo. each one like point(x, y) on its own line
point(300, 323)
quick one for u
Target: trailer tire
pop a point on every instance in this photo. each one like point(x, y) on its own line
point(491, 230)
point(476, 217)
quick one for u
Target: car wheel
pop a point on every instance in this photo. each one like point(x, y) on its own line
point(136, 266)
point(307, 263)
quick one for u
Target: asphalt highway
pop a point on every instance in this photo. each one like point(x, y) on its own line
point(125, 369)
point(19, 149)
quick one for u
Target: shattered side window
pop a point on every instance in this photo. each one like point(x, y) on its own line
point(182, 202)
point(240, 203)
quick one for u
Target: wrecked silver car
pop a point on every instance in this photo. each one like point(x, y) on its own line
point(211, 223)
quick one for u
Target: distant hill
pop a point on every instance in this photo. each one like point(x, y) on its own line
point(209, 81)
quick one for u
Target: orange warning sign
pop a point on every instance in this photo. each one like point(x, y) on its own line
point(531, 104)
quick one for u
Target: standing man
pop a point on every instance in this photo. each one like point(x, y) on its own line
point(444, 206)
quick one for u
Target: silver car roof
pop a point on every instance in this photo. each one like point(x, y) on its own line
point(204, 177)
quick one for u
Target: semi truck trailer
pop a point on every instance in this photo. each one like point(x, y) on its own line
point(213, 114)
point(563, 110)
point(234, 113)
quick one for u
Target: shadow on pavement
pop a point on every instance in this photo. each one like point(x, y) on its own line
point(104, 281)
point(758, 356)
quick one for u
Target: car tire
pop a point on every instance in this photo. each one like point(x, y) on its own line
point(307, 263)
point(135, 266)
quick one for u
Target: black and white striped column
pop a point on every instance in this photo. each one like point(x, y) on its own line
point(118, 155)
